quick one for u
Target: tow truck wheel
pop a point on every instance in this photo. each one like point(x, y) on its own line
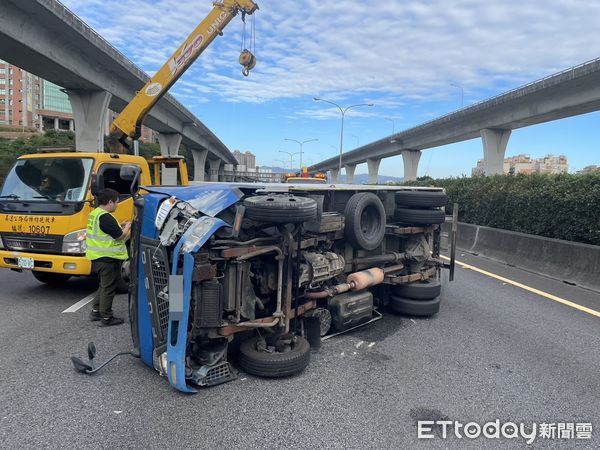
point(123, 286)
point(262, 361)
point(418, 308)
point(51, 279)
point(277, 208)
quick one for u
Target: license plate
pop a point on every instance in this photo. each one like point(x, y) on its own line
point(25, 263)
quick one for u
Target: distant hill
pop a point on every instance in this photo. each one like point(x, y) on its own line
point(361, 178)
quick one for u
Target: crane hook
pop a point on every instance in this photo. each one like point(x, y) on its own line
point(248, 60)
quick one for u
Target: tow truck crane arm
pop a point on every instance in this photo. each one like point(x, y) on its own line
point(129, 122)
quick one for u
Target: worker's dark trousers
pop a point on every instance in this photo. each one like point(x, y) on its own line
point(109, 274)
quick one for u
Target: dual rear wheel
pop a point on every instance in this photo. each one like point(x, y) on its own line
point(420, 299)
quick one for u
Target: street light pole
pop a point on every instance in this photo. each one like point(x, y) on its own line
point(343, 111)
point(301, 144)
point(393, 125)
point(462, 94)
point(291, 156)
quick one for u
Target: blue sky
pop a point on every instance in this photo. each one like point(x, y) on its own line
point(406, 57)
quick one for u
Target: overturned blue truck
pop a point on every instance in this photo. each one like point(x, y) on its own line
point(277, 267)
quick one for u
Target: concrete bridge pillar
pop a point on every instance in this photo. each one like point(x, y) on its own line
point(89, 113)
point(215, 165)
point(350, 168)
point(494, 148)
point(335, 175)
point(169, 146)
point(373, 166)
point(169, 143)
point(199, 163)
point(411, 164)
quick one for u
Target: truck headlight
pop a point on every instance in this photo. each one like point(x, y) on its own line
point(74, 243)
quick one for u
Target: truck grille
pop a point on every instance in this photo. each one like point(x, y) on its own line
point(156, 282)
point(211, 376)
point(32, 243)
point(160, 276)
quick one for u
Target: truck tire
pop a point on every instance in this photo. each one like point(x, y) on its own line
point(49, 278)
point(274, 365)
point(420, 290)
point(419, 216)
point(365, 221)
point(421, 199)
point(277, 208)
point(419, 308)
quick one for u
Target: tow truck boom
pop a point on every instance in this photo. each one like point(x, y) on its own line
point(129, 122)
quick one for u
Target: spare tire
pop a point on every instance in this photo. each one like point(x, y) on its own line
point(278, 208)
point(275, 364)
point(421, 199)
point(420, 290)
point(419, 216)
point(365, 221)
point(420, 308)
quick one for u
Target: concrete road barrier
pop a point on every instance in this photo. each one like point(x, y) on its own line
point(567, 261)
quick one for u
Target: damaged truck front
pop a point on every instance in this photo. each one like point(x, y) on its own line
point(279, 266)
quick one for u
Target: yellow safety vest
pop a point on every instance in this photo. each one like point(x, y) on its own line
point(98, 243)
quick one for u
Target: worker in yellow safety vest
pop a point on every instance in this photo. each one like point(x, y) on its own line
point(105, 247)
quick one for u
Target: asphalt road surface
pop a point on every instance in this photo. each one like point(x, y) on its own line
point(494, 352)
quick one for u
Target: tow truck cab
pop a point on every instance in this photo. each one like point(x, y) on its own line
point(44, 205)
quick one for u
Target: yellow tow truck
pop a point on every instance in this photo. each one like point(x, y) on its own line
point(47, 197)
point(304, 176)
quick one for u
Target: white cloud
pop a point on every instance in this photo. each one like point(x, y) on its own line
point(396, 51)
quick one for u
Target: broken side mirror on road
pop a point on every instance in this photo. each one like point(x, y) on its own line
point(88, 368)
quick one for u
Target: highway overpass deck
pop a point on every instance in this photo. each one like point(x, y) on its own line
point(568, 93)
point(47, 39)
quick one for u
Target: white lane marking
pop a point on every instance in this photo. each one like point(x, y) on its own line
point(80, 304)
point(371, 344)
point(585, 309)
point(359, 344)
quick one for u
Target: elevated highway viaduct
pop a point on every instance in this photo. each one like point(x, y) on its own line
point(46, 39)
point(568, 93)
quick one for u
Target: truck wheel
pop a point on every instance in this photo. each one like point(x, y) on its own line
point(420, 290)
point(274, 364)
point(421, 199)
point(365, 221)
point(276, 208)
point(419, 216)
point(419, 308)
point(49, 278)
